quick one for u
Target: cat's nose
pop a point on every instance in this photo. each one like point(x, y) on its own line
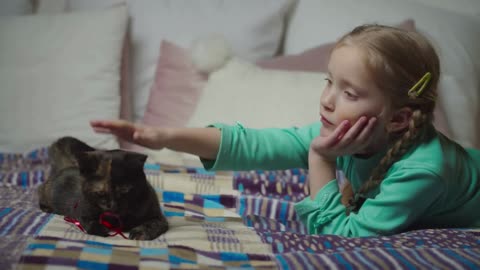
point(109, 204)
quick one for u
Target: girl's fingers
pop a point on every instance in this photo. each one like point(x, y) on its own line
point(102, 130)
point(367, 131)
point(100, 123)
point(137, 136)
point(337, 134)
point(353, 132)
point(110, 123)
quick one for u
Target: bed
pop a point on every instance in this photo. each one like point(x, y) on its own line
point(65, 62)
point(227, 220)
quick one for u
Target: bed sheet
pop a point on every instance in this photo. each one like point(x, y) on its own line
point(226, 220)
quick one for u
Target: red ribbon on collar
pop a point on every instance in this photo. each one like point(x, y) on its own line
point(116, 230)
point(75, 222)
point(106, 224)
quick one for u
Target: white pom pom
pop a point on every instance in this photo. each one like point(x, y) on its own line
point(210, 53)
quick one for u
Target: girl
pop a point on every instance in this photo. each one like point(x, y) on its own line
point(375, 128)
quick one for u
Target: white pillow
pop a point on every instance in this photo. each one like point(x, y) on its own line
point(253, 28)
point(16, 7)
point(468, 7)
point(259, 98)
point(256, 98)
point(57, 72)
point(455, 36)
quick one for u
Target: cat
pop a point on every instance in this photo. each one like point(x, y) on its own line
point(85, 183)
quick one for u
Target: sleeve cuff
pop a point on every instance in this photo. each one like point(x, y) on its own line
point(308, 205)
point(225, 139)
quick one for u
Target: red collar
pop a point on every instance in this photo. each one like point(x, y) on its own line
point(114, 230)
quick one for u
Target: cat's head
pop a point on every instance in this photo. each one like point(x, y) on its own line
point(111, 176)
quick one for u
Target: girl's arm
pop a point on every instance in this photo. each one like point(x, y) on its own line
point(223, 147)
point(405, 197)
point(320, 173)
point(269, 148)
point(203, 142)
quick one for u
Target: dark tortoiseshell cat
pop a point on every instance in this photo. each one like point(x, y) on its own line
point(84, 183)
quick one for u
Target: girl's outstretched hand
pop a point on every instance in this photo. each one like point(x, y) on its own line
point(345, 139)
point(151, 137)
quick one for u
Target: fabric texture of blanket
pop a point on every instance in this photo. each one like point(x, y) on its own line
point(217, 220)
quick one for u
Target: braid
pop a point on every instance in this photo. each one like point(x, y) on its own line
point(400, 147)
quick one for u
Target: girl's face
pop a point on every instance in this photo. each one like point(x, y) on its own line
point(351, 93)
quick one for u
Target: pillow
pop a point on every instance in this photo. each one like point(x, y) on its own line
point(467, 7)
point(126, 110)
point(314, 59)
point(176, 89)
point(259, 98)
point(17, 7)
point(254, 28)
point(69, 77)
point(48, 6)
point(455, 36)
point(175, 92)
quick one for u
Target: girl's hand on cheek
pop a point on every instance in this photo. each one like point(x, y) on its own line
point(345, 139)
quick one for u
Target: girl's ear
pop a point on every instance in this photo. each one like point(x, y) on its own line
point(400, 120)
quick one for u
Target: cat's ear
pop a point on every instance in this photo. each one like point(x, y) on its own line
point(88, 162)
point(135, 159)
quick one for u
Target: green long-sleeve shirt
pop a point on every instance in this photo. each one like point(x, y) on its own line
point(436, 184)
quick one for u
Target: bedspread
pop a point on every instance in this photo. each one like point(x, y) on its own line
point(233, 220)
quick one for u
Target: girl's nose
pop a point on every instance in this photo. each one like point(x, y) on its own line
point(327, 100)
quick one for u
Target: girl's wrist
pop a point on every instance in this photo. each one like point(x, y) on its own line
point(321, 171)
point(167, 135)
point(314, 155)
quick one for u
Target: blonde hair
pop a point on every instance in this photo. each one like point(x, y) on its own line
point(397, 59)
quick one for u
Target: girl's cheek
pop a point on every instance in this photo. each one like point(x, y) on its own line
point(352, 117)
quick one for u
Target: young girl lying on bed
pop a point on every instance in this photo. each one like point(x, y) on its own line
point(375, 134)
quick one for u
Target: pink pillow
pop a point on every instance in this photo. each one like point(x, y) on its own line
point(175, 92)
point(177, 87)
point(125, 96)
point(314, 59)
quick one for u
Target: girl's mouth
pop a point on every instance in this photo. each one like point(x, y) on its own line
point(325, 121)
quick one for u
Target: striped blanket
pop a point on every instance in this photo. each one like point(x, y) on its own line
point(228, 220)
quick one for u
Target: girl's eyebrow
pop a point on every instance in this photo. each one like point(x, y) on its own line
point(360, 89)
point(348, 83)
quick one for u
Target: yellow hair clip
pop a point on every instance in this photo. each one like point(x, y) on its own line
point(415, 91)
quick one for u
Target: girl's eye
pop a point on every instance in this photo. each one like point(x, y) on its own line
point(328, 80)
point(350, 95)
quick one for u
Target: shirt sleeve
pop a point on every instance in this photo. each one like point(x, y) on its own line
point(403, 199)
point(268, 149)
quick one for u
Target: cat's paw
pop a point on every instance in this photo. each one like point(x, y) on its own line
point(139, 233)
point(97, 229)
point(143, 233)
point(45, 208)
point(149, 230)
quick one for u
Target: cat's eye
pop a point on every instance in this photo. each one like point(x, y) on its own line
point(101, 193)
point(123, 189)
